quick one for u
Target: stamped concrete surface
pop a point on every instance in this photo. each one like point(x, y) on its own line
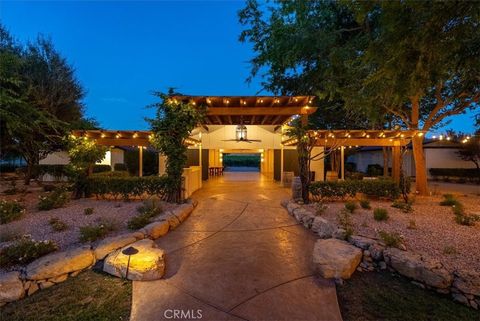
point(239, 256)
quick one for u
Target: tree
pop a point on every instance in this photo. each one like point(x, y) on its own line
point(172, 126)
point(40, 99)
point(418, 61)
point(83, 154)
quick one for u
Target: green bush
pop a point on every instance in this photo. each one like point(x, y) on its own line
point(25, 251)
point(380, 214)
point(320, 208)
point(350, 206)
point(55, 199)
point(102, 168)
point(391, 239)
point(345, 221)
point(88, 211)
point(112, 174)
point(470, 174)
point(145, 214)
point(57, 224)
point(374, 170)
point(91, 233)
point(120, 167)
point(466, 220)
point(449, 200)
point(349, 188)
point(405, 207)
point(57, 171)
point(128, 187)
point(365, 204)
point(10, 211)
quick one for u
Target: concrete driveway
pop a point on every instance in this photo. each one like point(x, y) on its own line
point(239, 256)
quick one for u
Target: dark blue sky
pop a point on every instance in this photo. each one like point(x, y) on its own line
point(124, 50)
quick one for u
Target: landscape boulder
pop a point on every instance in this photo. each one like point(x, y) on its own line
point(412, 265)
point(157, 229)
point(335, 258)
point(467, 282)
point(362, 242)
point(182, 211)
point(110, 244)
point(147, 264)
point(11, 287)
point(56, 264)
point(323, 228)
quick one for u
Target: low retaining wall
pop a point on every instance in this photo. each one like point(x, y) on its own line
point(57, 267)
point(429, 273)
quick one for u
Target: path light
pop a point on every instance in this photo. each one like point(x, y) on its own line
point(129, 251)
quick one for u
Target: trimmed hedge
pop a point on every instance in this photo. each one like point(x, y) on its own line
point(349, 188)
point(120, 167)
point(127, 187)
point(466, 174)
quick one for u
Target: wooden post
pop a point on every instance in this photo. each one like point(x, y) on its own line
point(396, 154)
point(342, 161)
point(140, 161)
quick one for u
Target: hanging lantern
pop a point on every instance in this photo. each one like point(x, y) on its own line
point(241, 132)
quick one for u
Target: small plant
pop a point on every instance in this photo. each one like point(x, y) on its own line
point(345, 221)
point(320, 208)
point(449, 250)
point(91, 233)
point(405, 207)
point(25, 251)
point(55, 199)
point(350, 206)
point(412, 225)
point(391, 239)
point(449, 200)
point(467, 220)
point(365, 204)
point(145, 214)
point(13, 188)
point(380, 214)
point(458, 209)
point(10, 211)
point(57, 224)
point(88, 211)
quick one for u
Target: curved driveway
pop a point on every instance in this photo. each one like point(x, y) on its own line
point(239, 256)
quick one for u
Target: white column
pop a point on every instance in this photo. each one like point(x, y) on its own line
point(281, 165)
point(342, 161)
point(140, 161)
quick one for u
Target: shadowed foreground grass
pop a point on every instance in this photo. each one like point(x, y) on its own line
point(90, 296)
point(383, 296)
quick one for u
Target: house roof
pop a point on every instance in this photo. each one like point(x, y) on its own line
point(251, 110)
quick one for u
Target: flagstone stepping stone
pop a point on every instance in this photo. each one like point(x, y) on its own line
point(335, 258)
point(148, 262)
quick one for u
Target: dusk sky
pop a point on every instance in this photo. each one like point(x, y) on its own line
point(124, 50)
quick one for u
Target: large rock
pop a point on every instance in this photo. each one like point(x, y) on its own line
point(60, 263)
point(182, 211)
point(323, 228)
point(156, 229)
point(334, 258)
point(302, 215)
point(291, 206)
point(362, 242)
point(467, 282)
point(113, 243)
point(169, 217)
point(147, 264)
point(11, 287)
point(412, 265)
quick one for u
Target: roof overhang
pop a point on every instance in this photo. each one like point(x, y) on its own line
point(251, 110)
point(356, 138)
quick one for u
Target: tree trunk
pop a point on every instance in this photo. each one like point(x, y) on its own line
point(28, 172)
point(304, 169)
point(420, 166)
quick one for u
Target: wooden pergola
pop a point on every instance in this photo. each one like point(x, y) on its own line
point(251, 110)
point(394, 139)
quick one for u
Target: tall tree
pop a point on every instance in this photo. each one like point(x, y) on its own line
point(416, 60)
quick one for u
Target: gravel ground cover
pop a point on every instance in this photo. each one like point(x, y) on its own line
point(430, 229)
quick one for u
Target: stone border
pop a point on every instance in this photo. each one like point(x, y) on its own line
point(429, 273)
point(57, 267)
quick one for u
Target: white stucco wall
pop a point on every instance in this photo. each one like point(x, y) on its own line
point(112, 157)
point(56, 158)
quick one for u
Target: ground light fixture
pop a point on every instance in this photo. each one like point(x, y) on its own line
point(129, 251)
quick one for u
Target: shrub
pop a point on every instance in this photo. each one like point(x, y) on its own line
point(320, 208)
point(391, 239)
point(48, 187)
point(449, 200)
point(350, 206)
point(412, 225)
point(112, 174)
point(380, 214)
point(57, 224)
point(405, 207)
point(374, 170)
point(10, 211)
point(101, 168)
point(470, 174)
point(88, 211)
point(365, 204)
point(449, 250)
point(120, 167)
point(91, 233)
point(55, 199)
point(345, 221)
point(128, 187)
point(145, 214)
point(467, 220)
point(349, 188)
point(25, 251)
point(13, 188)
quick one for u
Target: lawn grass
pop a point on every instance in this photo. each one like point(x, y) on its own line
point(90, 296)
point(383, 296)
